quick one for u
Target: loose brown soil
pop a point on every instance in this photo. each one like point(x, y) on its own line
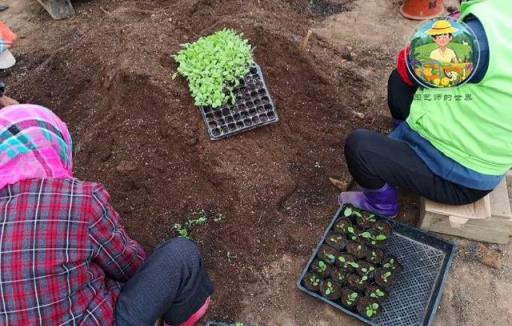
point(137, 131)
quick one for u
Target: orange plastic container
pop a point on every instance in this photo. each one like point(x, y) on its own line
point(422, 9)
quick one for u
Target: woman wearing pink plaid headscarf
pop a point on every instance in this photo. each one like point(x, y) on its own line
point(64, 257)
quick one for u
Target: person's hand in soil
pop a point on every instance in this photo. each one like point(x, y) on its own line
point(6, 101)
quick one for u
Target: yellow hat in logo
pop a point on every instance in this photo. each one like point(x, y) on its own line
point(441, 27)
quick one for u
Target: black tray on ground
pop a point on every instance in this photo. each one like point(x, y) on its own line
point(253, 108)
point(413, 300)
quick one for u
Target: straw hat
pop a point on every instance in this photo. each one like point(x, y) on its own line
point(441, 27)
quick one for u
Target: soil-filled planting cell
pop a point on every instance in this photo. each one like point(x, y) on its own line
point(425, 261)
point(253, 108)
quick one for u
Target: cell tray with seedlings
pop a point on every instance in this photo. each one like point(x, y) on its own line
point(379, 271)
point(253, 108)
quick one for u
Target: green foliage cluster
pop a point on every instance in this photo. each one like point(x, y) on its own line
point(214, 65)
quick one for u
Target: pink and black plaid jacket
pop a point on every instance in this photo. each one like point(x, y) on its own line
point(63, 254)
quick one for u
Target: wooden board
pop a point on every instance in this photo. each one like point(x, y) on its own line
point(488, 220)
point(58, 9)
point(478, 210)
point(493, 230)
point(500, 202)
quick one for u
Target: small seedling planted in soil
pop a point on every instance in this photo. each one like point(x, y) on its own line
point(321, 268)
point(373, 238)
point(385, 277)
point(357, 250)
point(375, 256)
point(312, 281)
point(391, 262)
point(357, 283)
point(349, 298)
point(336, 240)
point(376, 292)
point(365, 268)
point(383, 227)
point(342, 225)
point(354, 233)
point(328, 254)
point(195, 219)
point(368, 307)
point(330, 289)
point(350, 211)
point(345, 262)
point(339, 276)
point(366, 220)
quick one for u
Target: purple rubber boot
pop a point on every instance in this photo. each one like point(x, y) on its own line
point(383, 201)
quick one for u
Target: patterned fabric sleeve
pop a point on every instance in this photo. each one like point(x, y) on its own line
point(117, 254)
point(401, 66)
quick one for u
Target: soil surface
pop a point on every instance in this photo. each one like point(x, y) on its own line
point(107, 72)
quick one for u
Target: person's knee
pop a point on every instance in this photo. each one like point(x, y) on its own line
point(180, 250)
point(356, 141)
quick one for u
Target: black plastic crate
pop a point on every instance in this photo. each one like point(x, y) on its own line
point(253, 108)
point(413, 300)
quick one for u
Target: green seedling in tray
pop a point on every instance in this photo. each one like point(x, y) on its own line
point(372, 310)
point(352, 298)
point(378, 293)
point(214, 65)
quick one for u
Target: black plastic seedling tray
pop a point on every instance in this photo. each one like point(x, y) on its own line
point(253, 108)
point(413, 300)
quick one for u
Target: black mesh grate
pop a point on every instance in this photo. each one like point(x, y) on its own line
point(253, 108)
point(413, 300)
point(410, 297)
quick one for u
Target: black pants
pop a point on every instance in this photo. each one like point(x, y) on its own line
point(374, 159)
point(171, 284)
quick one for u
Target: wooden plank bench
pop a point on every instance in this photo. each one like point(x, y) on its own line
point(58, 9)
point(488, 220)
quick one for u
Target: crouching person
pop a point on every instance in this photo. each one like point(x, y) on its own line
point(452, 152)
point(64, 257)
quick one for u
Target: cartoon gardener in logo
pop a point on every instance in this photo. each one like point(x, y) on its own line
point(441, 33)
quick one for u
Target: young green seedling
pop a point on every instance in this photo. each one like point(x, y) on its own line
point(390, 264)
point(314, 280)
point(329, 289)
point(322, 266)
point(352, 298)
point(181, 231)
point(347, 212)
point(371, 310)
point(214, 65)
point(377, 294)
point(366, 235)
point(385, 276)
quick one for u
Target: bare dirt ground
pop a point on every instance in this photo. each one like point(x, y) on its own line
point(107, 71)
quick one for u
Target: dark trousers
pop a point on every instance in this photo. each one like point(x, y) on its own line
point(374, 159)
point(171, 284)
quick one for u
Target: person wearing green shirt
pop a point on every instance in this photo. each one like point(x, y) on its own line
point(450, 151)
